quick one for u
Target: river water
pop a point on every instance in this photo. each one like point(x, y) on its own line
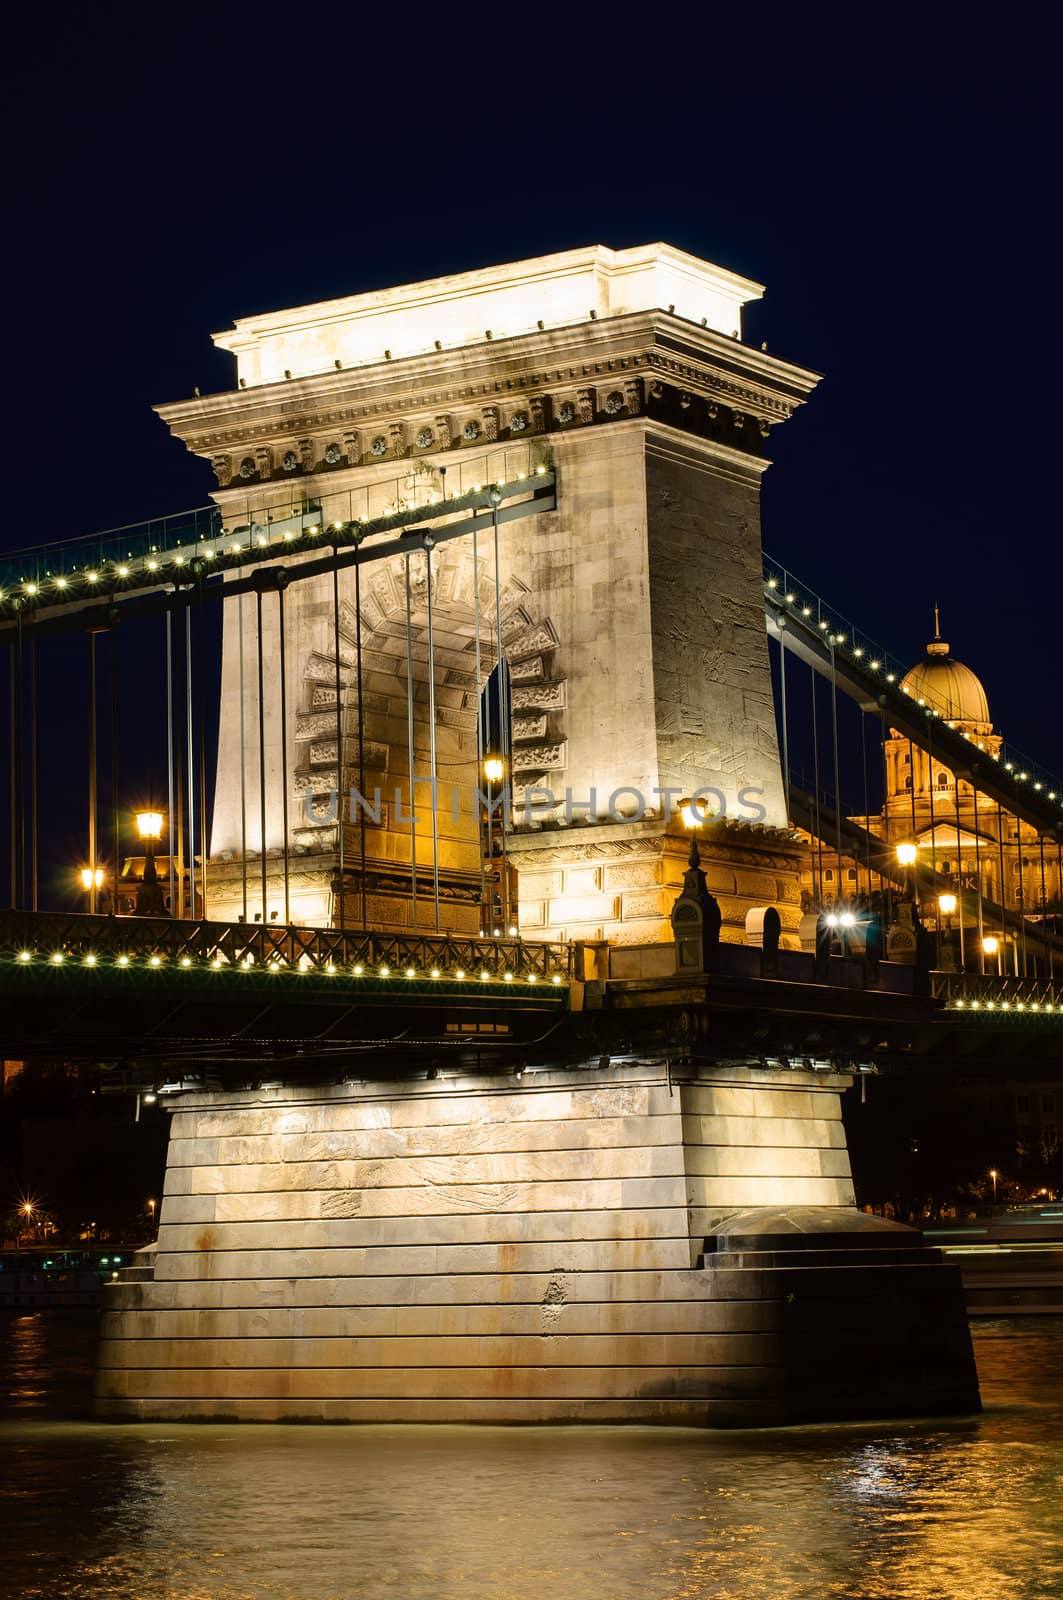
point(919, 1511)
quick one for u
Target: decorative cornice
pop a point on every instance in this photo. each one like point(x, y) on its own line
point(590, 373)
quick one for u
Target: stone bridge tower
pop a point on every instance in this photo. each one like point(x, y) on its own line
point(632, 615)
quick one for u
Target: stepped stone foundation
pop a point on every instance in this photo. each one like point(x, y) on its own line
point(594, 1245)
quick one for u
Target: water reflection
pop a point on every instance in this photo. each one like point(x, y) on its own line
point(909, 1512)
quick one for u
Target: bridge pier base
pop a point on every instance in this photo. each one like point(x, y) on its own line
point(550, 1248)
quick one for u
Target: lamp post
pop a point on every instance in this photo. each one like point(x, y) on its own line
point(991, 947)
point(92, 883)
point(994, 1174)
point(495, 773)
point(150, 900)
point(906, 854)
point(946, 907)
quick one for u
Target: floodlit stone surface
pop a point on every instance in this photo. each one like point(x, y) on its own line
point(631, 616)
point(482, 1249)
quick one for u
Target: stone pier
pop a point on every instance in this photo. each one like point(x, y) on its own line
point(613, 1245)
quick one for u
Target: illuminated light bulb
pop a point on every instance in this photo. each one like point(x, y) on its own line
point(832, 921)
point(847, 919)
point(906, 854)
point(209, 555)
point(90, 960)
point(330, 968)
point(960, 1005)
point(773, 583)
point(314, 529)
point(186, 961)
point(57, 958)
point(235, 549)
point(261, 539)
point(289, 534)
point(435, 972)
point(411, 972)
point(891, 677)
point(153, 566)
point(540, 471)
point(555, 978)
point(123, 572)
point(31, 588)
point(274, 966)
point(25, 955)
point(839, 638)
point(1038, 786)
point(216, 963)
point(806, 611)
point(247, 962)
point(60, 583)
point(385, 972)
point(521, 476)
point(460, 973)
point(123, 961)
point(874, 665)
point(93, 577)
point(858, 652)
point(507, 977)
point(476, 488)
point(823, 625)
point(358, 970)
point(532, 978)
point(155, 961)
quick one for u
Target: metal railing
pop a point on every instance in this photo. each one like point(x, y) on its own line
point(275, 518)
point(802, 602)
point(80, 939)
point(992, 993)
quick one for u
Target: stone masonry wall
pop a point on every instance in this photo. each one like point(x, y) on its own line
point(466, 1250)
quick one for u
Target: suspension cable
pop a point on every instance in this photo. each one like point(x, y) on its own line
point(432, 733)
point(284, 755)
point(264, 917)
point(175, 906)
point(409, 746)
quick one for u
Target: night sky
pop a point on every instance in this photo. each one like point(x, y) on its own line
point(887, 173)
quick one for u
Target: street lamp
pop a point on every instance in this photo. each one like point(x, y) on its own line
point(92, 883)
point(150, 901)
point(994, 1174)
point(946, 907)
point(991, 947)
point(906, 854)
point(494, 770)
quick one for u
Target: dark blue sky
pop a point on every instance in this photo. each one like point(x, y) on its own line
point(888, 173)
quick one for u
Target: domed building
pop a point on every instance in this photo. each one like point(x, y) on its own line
point(961, 835)
point(918, 788)
point(951, 688)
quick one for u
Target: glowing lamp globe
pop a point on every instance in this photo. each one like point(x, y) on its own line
point(149, 824)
